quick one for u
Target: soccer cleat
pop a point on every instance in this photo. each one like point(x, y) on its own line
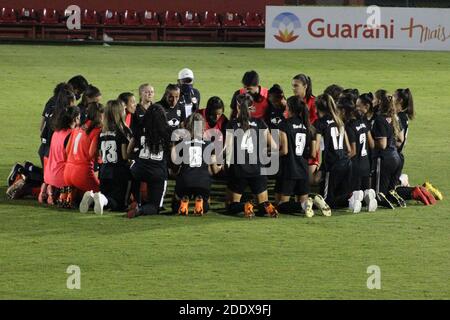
point(431, 199)
point(198, 209)
point(42, 197)
point(370, 200)
point(61, 202)
point(398, 200)
point(419, 196)
point(309, 212)
point(14, 191)
point(183, 210)
point(384, 202)
point(320, 203)
point(248, 210)
point(87, 201)
point(270, 209)
point(98, 203)
point(433, 190)
point(13, 174)
point(355, 202)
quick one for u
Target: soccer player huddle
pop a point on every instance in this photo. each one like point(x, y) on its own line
point(341, 149)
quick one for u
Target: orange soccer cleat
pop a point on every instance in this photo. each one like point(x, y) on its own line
point(248, 210)
point(271, 211)
point(198, 210)
point(183, 210)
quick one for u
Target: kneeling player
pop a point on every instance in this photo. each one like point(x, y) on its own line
point(153, 142)
point(194, 178)
point(243, 159)
point(296, 145)
point(114, 171)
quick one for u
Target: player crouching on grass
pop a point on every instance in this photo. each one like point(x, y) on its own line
point(82, 155)
point(243, 160)
point(193, 180)
point(360, 142)
point(114, 171)
point(63, 122)
point(296, 146)
point(150, 166)
point(336, 187)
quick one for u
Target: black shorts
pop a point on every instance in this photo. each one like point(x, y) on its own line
point(257, 184)
point(290, 187)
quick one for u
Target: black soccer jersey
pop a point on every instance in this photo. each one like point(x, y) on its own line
point(382, 128)
point(154, 164)
point(274, 116)
point(357, 132)
point(110, 146)
point(404, 123)
point(294, 165)
point(47, 113)
point(175, 115)
point(246, 148)
point(194, 172)
point(332, 143)
point(138, 117)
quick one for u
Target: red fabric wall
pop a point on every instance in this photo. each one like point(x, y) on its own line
point(220, 6)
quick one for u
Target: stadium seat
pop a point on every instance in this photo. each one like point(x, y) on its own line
point(27, 15)
point(150, 18)
point(89, 17)
point(210, 19)
point(253, 19)
point(231, 20)
point(131, 18)
point(49, 16)
point(111, 18)
point(191, 19)
point(8, 15)
point(172, 19)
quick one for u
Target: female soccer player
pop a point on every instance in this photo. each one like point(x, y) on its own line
point(302, 88)
point(215, 118)
point(64, 99)
point(243, 143)
point(336, 187)
point(82, 153)
point(277, 107)
point(361, 142)
point(193, 180)
point(62, 123)
point(296, 145)
point(92, 94)
point(146, 97)
point(114, 170)
point(153, 142)
point(386, 133)
point(129, 101)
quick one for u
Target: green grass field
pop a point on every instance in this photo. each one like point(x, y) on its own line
point(223, 257)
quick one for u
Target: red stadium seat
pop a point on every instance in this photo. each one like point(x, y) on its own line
point(253, 20)
point(49, 16)
point(210, 19)
point(131, 18)
point(191, 19)
point(111, 18)
point(172, 19)
point(8, 15)
point(150, 18)
point(27, 15)
point(231, 20)
point(89, 17)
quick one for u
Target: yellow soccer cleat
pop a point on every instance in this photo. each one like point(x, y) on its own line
point(433, 190)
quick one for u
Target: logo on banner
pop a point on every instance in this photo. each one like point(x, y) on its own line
point(287, 24)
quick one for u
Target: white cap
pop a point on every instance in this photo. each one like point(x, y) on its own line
point(185, 73)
